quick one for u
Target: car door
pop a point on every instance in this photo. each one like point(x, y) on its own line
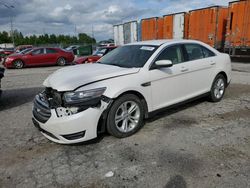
point(51, 55)
point(200, 66)
point(168, 85)
point(36, 57)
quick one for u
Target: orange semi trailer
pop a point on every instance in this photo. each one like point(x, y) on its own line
point(238, 29)
point(151, 28)
point(208, 25)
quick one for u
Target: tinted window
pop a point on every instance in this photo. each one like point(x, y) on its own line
point(38, 51)
point(207, 52)
point(173, 53)
point(50, 51)
point(196, 51)
point(129, 56)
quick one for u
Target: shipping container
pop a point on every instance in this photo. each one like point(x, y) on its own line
point(118, 34)
point(168, 26)
point(151, 28)
point(186, 25)
point(208, 25)
point(159, 28)
point(238, 29)
point(130, 32)
point(175, 25)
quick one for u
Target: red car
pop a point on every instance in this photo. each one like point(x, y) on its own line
point(101, 51)
point(6, 51)
point(39, 57)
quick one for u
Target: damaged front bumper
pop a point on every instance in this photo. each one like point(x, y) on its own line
point(66, 125)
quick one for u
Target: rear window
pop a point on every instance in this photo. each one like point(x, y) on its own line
point(50, 51)
point(196, 51)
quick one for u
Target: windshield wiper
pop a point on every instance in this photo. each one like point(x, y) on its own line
point(114, 64)
point(117, 65)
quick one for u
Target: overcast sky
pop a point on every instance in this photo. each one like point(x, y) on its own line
point(63, 16)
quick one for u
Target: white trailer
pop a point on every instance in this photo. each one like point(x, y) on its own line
point(118, 34)
point(6, 45)
point(178, 25)
point(130, 32)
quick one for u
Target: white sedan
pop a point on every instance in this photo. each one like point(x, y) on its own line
point(126, 86)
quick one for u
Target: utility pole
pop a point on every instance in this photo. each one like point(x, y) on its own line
point(12, 32)
point(75, 31)
point(11, 21)
point(93, 32)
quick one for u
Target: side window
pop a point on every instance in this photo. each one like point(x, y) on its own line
point(38, 51)
point(50, 51)
point(207, 52)
point(173, 53)
point(194, 51)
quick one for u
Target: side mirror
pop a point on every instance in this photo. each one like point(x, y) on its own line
point(163, 63)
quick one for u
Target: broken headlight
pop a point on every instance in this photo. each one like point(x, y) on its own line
point(83, 96)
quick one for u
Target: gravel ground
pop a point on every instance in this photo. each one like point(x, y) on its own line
point(200, 144)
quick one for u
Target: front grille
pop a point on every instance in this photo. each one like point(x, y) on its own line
point(54, 97)
point(41, 109)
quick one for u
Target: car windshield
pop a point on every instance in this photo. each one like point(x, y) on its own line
point(129, 56)
point(100, 51)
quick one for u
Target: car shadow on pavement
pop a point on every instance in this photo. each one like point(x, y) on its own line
point(16, 97)
point(179, 107)
point(176, 182)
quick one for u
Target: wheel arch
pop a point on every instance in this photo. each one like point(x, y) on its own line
point(102, 123)
point(18, 59)
point(223, 74)
point(141, 97)
point(60, 56)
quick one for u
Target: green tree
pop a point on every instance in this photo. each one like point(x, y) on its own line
point(45, 39)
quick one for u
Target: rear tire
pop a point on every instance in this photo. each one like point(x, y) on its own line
point(218, 88)
point(125, 116)
point(61, 61)
point(18, 64)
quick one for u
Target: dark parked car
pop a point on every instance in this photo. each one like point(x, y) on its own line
point(1, 76)
point(39, 57)
point(101, 51)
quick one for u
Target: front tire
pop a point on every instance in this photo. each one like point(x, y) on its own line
point(125, 116)
point(218, 88)
point(18, 64)
point(61, 61)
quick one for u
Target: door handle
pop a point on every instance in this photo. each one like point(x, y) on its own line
point(184, 69)
point(212, 63)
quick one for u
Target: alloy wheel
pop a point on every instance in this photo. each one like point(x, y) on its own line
point(127, 116)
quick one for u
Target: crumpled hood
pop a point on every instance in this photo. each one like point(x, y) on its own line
point(70, 78)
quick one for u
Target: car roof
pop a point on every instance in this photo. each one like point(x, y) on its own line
point(161, 42)
point(46, 47)
point(105, 47)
